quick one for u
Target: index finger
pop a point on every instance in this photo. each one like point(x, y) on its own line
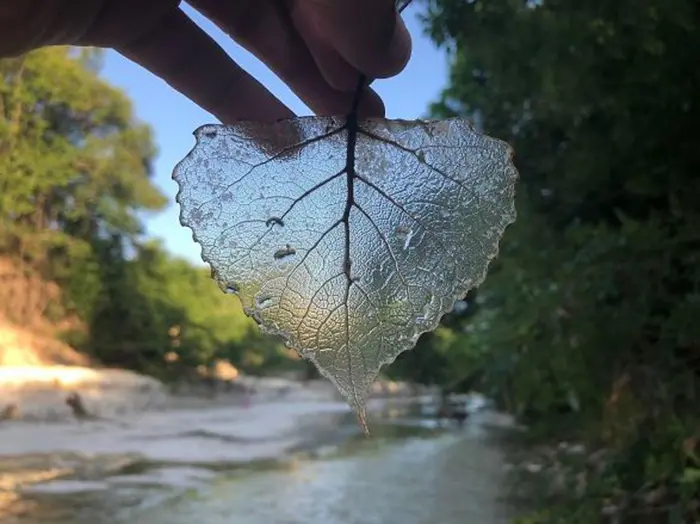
point(369, 34)
point(190, 61)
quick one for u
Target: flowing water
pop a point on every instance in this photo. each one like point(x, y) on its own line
point(409, 472)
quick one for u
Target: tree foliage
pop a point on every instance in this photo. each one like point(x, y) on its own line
point(594, 301)
point(75, 184)
point(74, 168)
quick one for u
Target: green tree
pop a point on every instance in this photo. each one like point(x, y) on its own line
point(594, 300)
point(153, 293)
point(444, 357)
point(75, 169)
point(75, 182)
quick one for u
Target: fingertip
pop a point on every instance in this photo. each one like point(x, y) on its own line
point(368, 34)
point(397, 54)
point(190, 61)
point(371, 105)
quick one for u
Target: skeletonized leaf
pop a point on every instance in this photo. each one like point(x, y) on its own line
point(347, 238)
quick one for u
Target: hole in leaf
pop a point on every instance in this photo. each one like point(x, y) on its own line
point(264, 302)
point(229, 288)
point(286, 251)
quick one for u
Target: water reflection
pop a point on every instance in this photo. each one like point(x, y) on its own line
point(448, 479)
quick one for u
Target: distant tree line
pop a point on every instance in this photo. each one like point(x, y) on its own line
point(588, 325)
point(75, 184)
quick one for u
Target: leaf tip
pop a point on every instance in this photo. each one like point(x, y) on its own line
point(362, 420)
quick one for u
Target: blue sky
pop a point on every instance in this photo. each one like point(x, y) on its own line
point(174, 118)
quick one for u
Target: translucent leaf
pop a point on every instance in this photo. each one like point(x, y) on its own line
point(349, 239)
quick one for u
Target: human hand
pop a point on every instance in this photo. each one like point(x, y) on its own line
point(318, 47)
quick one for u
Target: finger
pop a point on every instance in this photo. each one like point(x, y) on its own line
point(368, 34)
point(264, 28)
point(183, 55)
point(334, 68)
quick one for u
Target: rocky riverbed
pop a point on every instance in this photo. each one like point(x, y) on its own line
point(244, 463)
point(144, 447)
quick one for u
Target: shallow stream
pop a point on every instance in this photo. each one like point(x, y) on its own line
point(410, 472)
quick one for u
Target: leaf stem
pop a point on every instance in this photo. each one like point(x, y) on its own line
point(361, 82)
point(351, 127)
point(399, 5)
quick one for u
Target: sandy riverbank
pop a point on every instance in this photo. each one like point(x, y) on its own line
point(39, 392)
